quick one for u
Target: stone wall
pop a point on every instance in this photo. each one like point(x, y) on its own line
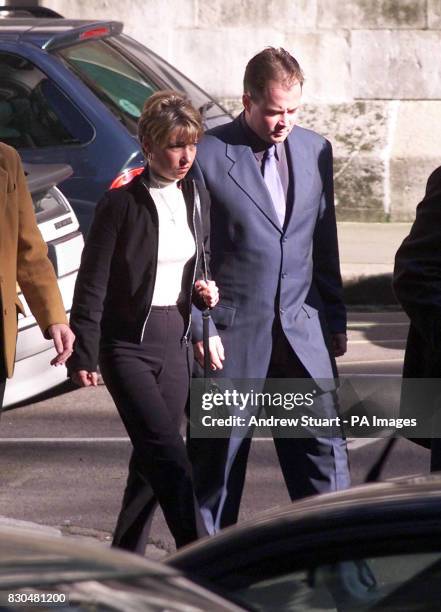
point(373, 78)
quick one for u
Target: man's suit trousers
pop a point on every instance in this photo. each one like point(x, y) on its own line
point(149, 384)
point(309, 465)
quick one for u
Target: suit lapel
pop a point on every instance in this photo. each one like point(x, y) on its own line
point(301, 174)
point(246, 174)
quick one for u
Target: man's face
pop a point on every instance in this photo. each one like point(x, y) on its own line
point(274, 114)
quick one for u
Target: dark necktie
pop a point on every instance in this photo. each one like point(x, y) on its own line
point(272, 180)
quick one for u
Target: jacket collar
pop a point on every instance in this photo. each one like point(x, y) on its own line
point(246, 174)
point(137, 187)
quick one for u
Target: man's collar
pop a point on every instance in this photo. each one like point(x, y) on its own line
point(258, 146)
point(256, 143)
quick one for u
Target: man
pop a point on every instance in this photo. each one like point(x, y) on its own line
point(417, 285)
point(274, 257)
point(23, 260)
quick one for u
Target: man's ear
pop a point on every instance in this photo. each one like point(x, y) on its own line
point(246, 101)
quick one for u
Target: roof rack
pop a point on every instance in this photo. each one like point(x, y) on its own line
point(32, 11)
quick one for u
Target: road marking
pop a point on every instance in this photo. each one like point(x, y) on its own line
point(353, 442)
point(46, 440)
point(358, 375)
point(352, 324)
point(392, 341)
point(394, 360)
point(91, 440)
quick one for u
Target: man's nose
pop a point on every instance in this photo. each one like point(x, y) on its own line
point(284, 118)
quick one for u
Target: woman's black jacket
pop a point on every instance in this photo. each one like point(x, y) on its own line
point(115, 283)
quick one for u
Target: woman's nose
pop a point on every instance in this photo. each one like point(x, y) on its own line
point(187, 154)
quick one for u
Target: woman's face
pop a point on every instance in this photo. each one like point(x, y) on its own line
point(175, 159)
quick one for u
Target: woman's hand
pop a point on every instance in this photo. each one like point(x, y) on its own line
point(83, 378)
point(208, 291)
point(217, 353)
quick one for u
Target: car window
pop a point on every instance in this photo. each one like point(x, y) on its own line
point(34, 112)
point(392, 583)
point(165, 71)
point(112, 77)
point(49, 205)
point(168, 74)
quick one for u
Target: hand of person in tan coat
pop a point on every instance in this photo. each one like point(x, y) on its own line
point(63, 338)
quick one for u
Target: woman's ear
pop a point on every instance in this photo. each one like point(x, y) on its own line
point(146, 150)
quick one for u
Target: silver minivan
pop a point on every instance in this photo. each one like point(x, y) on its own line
point(59, 228)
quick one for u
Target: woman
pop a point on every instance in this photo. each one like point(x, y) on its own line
point(131, 312)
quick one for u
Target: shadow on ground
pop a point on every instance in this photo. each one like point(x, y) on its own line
point(65, 387)
point(370, 291)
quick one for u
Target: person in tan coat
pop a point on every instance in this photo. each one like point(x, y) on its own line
point(24, 260)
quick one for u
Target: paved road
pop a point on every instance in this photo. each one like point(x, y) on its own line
point(376, 343)
point(64, 459)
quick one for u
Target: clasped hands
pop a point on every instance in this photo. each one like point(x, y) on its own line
point(209, 293)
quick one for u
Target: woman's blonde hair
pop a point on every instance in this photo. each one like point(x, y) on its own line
point(162, 113)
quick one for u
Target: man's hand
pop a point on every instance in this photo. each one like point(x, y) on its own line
point(208, 291)
point(339, 344)
point(83, 378)
point(217, 354)
point(63, 338)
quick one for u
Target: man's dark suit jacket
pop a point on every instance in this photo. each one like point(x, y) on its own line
point(417, 285)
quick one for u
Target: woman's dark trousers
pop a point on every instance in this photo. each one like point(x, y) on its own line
point(149, 384)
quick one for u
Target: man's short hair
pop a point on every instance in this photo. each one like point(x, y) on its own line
point(163, 112)
point(271, 64)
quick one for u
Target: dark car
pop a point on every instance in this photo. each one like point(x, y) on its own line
point(72, 91)
point(43, 572)
point(373, 547)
